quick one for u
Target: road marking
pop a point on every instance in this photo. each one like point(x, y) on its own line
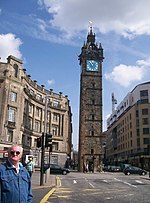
point(91, 185)
point(138, 181)
point(58, 182)
point(74, 181)
point(118, 180)
point(130, 184)
point(45, 198)
point(125, 183)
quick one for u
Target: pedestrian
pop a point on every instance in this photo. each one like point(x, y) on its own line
point(15, 182)
point(30, 166)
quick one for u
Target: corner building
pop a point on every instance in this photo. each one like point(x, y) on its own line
point(90, 116)
point(128, 129)
point(22, 110)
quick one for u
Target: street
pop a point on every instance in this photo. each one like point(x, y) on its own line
point(101, 188)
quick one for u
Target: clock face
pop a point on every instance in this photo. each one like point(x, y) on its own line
point(92, 65)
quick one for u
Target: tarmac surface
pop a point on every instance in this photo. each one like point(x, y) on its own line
point(48, 180)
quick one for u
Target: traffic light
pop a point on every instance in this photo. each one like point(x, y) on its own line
point(48, 140)
point(39, 142)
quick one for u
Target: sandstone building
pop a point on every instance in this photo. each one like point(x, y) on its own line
point(90, 116)
point(22, 110)
point(128, 129)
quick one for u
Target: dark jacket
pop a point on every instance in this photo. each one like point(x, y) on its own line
point(14, 187)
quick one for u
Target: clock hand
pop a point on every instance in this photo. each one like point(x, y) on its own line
point(91, 63)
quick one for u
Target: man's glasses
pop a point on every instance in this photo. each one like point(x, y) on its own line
point(14, 152)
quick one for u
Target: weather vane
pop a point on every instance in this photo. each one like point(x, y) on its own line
point(90, 24)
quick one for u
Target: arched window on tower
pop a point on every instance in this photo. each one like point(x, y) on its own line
point(92, 132)
point(16, 70)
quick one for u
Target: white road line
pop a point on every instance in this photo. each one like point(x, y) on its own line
point(91, 185)
point(130, 184)
point(74, 181)
point(118, 180)
point(125, 183)
point(138, 181)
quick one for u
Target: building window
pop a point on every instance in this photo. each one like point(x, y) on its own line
point(93, 85)
point(30, 108)
point(16, 70)
point(29, 141)
point(31, 92)
point(144, 93)
point(55, 130)
point(91, 132)
point(145, 131)
point(55, 117)
point(55, 146)
point(30, 123)
point(92, 151)
point(130, 134)
point(37, 126)
point(92, 101)
point(137, 122)
point(137, 113)
point(145, 121)
point(55, 104)
point(137, 132)
point(130, 125)
point(92, 117)
point(144, 111)
point(13, 96)
point(9, 136)
point(138, 142)
point(146, 141)
point(39, 97)
point(23, 139)
point(35, 142)
point(11, 114)
point(37, 113)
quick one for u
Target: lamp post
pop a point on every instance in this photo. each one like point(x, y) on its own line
point(43, 143)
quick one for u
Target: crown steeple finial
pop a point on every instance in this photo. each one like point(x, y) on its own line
point(90, 26)
point(91, 36)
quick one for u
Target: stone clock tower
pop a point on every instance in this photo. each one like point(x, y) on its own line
point(90, 121)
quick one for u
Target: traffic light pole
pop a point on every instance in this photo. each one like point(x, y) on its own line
point(42, 162)
point(43, 144)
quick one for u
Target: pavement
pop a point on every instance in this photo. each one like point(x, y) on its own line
point(48, 180)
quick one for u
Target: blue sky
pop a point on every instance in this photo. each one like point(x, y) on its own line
point(48, 35)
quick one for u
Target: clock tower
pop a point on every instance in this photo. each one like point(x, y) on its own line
point(90, 117)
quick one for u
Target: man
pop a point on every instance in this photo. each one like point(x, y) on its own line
point(30, 166)
point(15, 183)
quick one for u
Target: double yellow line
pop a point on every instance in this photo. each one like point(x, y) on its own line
point(58, 184)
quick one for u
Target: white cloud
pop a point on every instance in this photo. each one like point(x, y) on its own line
point(50, 82)
point(128, 18)
point(9, 45)
point(124, 75)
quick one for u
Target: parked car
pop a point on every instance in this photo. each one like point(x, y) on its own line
point(123, 166)
point(111, 168)
point(134, 170)
point(56, 169)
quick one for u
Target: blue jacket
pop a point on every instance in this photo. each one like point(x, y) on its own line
point(14, 188)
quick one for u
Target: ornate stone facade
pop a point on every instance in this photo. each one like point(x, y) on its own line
point(22, 110)
point(90, 122)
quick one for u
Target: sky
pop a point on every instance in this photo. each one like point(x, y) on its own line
point(48, 35)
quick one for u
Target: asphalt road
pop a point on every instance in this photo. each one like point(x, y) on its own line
point(101, 188)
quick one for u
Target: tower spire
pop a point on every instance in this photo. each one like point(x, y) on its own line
point(91, 36)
